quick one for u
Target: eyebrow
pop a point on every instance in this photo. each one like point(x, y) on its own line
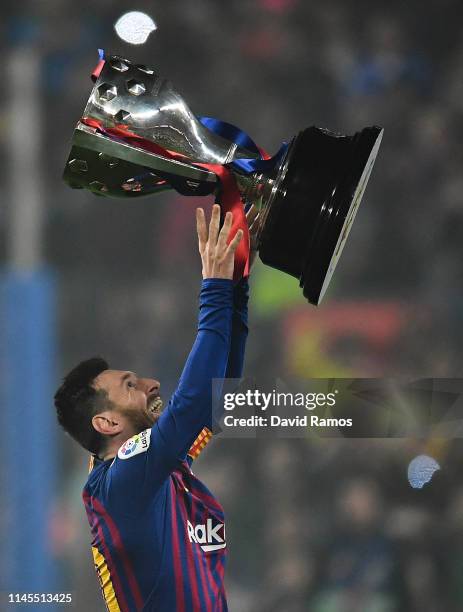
point(125, 377)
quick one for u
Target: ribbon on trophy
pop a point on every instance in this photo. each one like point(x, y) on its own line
point(229, 196)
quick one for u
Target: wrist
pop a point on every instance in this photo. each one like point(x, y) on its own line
point(217, 282)
point(219, 277)
point(216, 290)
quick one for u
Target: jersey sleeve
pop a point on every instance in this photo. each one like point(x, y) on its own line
point(144, 462)
point(235, 362)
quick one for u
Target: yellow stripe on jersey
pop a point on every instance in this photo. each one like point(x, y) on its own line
point(105, 581)
point(200, 442)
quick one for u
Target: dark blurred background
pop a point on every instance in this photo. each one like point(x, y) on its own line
point(327, 526)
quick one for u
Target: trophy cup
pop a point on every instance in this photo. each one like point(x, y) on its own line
point(137, 136)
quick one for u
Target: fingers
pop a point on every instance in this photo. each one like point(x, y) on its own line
point(225, 232)
point(217, 256)
point(214, 225)
point(201, 228)
point(235, 242)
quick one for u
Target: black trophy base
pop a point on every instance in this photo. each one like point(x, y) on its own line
point(316, 194)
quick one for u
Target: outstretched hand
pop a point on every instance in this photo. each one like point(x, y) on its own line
point(217, 257)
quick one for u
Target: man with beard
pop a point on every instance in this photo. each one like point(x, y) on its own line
point(158, 532)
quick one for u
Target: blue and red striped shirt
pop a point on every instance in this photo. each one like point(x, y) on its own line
point(158, 533)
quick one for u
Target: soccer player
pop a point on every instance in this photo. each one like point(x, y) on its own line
point(158, 533)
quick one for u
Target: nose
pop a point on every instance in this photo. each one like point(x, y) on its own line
point(151, 385)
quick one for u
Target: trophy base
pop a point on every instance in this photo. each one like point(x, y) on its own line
point(313, 203)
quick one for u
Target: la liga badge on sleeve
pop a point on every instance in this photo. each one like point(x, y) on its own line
point(135, 445)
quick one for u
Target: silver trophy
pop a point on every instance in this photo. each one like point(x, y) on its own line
point(137, 136)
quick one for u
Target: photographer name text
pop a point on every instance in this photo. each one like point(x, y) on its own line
point(258, 400)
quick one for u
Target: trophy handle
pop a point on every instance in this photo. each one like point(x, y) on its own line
point(109, 167)
point(88, 138)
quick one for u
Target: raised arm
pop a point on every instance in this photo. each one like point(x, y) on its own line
point(190, 407)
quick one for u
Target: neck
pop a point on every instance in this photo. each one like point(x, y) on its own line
point(108, 456)
point(114, 444)
point(111, 450)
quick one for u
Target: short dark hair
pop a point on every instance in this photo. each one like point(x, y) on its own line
point(77, 401)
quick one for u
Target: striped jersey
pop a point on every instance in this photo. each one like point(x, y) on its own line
point(158, 533)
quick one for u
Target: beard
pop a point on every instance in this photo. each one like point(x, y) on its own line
point(141, 419)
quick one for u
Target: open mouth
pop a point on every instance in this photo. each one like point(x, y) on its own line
point(154, 404)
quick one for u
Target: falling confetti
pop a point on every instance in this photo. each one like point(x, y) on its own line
point(421, 469)
point(135, 27)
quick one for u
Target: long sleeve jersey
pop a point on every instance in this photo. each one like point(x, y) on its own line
point(158, 533)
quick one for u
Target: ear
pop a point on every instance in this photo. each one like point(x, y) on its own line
point(107, 423)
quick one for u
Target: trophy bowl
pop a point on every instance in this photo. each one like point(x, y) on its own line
point(137, 137)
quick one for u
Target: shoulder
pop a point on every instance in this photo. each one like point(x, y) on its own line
point(139, 443)
point(97, 470)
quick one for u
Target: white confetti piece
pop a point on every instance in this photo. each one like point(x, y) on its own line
point(135, 27)
point(421, 469)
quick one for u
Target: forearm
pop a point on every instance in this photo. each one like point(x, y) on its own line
point(190, 408)
point(209, 355)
